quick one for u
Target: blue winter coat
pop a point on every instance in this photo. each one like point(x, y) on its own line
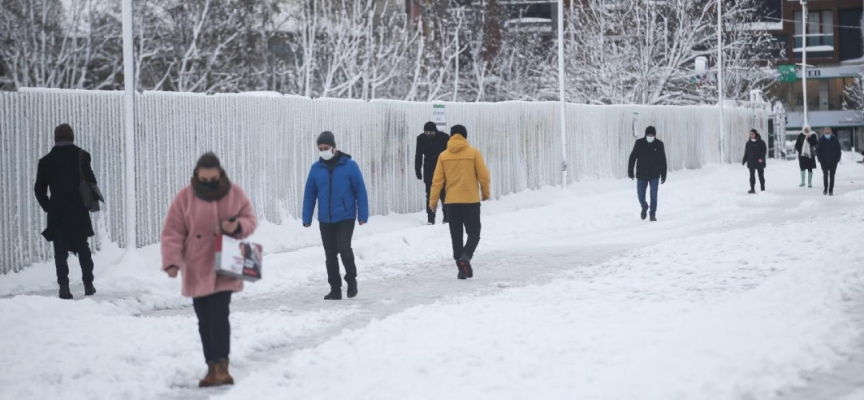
point(828, 151)
point(341, 193)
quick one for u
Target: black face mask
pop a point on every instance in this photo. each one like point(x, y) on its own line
point(210, 185)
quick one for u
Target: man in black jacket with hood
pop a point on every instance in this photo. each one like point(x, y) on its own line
point(651, 157)
point(430, 144)
point(69, 224)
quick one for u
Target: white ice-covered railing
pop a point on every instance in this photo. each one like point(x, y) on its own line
point(267, 144)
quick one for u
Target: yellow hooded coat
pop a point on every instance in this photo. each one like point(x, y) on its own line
point(459, 171)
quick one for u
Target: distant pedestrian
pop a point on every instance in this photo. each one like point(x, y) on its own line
point(755, 152)
point(461, 171)
point(430, 144)
point(69, 224)
point(336, 184)
point(829, 152)
point(210, 206)
point(805, 145)
point(649, 159)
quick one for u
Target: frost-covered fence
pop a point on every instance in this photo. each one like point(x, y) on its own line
point(267, 145)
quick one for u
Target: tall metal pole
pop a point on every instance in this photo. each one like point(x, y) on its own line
point(458, 53)
point(720, 89)
point(804, 57)
point(129, 105)
point(562, 93)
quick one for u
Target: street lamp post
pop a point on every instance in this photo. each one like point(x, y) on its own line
point(720, 93)
point(129, 126)
point(561, 94)
point(804, 56)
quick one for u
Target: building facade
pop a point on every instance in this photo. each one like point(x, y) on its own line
point(835, 58)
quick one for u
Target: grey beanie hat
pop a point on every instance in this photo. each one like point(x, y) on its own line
point(327, 138)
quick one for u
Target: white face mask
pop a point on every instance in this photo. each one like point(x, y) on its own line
point(752, 140)
point(327, 154)
point(649, 138)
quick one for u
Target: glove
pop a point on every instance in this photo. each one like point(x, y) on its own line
point(662, 180)
point(631, 176)
point(419, 176)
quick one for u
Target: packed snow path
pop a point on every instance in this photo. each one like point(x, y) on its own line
point(728, 296)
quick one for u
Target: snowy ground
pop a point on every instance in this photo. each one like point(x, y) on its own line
point(728, 296)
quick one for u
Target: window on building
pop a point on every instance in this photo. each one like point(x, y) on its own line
point(820, 34)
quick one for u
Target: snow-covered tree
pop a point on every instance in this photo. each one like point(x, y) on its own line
point(643, 51)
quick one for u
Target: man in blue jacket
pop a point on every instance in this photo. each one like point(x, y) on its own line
point(829, 152)
point(336, 182)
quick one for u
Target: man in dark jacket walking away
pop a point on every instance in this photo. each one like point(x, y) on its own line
point(69, 224)
point(336, 184)
point(650, 155)
point(755, 152)
point(430, 144)
point(829, 153)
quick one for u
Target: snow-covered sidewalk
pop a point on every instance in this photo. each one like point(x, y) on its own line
point(728, 296)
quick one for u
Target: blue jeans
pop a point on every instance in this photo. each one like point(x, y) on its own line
point(641, 186)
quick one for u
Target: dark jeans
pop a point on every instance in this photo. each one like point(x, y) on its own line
point(61, 254)
point(465, 216)
point(828, 171)
point(753, 178)
point(642, 187)
point(430, 213)
point(213, 325)
point(336, 238)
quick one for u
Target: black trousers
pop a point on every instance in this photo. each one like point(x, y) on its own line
point(336, 238)
point(430, 213)
point(753, 178)
point(213, 325)
point(464, 217)
point(828, 172)
point(61, 255)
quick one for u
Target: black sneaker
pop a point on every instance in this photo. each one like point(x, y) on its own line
point(830, 193)
point(89, 289)
point(461, 276)
point(464, 265)
point(335, 294)
point(65, 293)
point(825, 192)
point(752, 191)
point(644, 214)
point(352, 291)
point(653, 219)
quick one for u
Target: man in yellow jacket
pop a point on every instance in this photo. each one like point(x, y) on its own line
point(459, 172)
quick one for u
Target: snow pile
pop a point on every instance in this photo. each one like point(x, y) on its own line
point(729, 296)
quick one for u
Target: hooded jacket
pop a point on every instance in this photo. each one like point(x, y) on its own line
point(651, 158)
point(829, 151)
point(755, 153)
point(339, 191)
point(460, 170)
point(428, 151)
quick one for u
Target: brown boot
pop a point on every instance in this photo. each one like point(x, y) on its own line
point(222, 377)
point(210, 379)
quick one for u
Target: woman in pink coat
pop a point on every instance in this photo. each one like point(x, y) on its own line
point(208, 207)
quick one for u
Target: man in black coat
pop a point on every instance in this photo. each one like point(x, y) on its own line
point(430, 144)
point(650, 155)
point(69, 224)
point(829, 152)
point(755, 152)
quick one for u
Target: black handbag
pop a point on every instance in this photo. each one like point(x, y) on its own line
point(90, 193)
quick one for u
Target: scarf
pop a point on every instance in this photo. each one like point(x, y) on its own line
point(211, 194)
point(806, 150)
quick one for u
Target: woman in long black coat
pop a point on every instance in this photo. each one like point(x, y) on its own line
point(806, 148)
point(754, 157)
